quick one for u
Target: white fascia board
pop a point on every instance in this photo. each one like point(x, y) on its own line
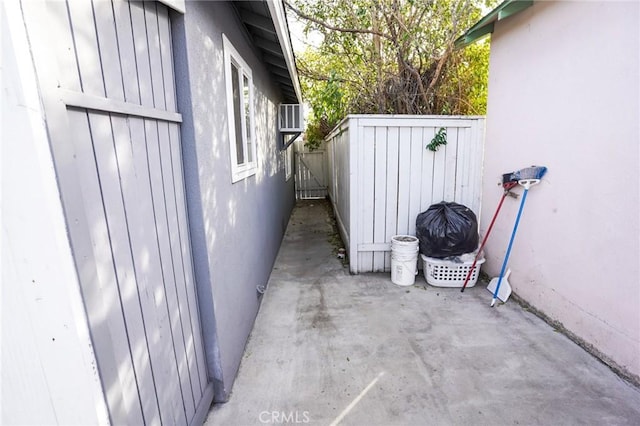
point(177, 5)
point(276, 9)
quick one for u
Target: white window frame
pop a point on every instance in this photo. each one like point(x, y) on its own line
point(248, 168)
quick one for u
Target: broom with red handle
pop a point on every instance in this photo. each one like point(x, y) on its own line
point(507, 187)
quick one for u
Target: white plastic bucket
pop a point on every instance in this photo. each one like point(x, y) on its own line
point(404, 259)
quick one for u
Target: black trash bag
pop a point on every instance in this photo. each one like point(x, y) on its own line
point(447, 229)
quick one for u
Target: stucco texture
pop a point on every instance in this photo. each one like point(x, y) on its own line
point(236, 228)
point(564, 93)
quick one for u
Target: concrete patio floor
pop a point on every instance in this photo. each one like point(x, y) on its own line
point(332, 348)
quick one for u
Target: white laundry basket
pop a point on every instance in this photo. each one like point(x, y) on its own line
point(447, 273)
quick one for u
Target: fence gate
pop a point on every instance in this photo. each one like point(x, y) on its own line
point(311, 175)
point(115, 135)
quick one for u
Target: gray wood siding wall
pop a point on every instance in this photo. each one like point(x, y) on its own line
point(120, 173)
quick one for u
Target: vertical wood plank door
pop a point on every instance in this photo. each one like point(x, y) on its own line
point(121, 178)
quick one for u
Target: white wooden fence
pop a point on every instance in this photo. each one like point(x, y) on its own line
point(381, 176)
point(311, 172)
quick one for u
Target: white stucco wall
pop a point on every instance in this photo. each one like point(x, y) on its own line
point(564, 90)
point(48, 367)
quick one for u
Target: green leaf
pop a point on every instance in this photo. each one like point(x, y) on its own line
point(439, 139)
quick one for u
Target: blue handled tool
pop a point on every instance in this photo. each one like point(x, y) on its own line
point(526, 178)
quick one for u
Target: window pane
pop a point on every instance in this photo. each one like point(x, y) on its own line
point(247, 117)
point(237, 111)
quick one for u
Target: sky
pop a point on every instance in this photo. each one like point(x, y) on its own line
point(298, 39)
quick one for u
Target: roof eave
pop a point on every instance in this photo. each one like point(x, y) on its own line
point(485, 26)
point(276, 9)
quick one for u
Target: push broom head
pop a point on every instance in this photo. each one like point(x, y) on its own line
point(530, 176)
point(533, 172)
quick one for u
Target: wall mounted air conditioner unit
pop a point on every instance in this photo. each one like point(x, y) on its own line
point(290, 118)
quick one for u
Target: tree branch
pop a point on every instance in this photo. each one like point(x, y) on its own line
point(328, 26)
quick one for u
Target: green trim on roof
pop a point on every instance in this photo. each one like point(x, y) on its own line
point(485, 25)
